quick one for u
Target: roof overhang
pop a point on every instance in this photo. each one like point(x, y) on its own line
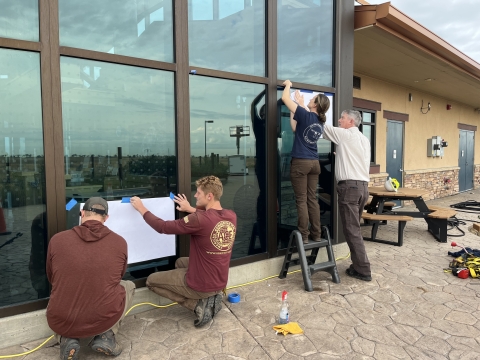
point(392, 47)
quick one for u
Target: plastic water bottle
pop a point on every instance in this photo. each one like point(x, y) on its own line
point(284, 317)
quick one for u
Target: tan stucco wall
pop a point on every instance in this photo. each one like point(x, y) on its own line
point(437, 122)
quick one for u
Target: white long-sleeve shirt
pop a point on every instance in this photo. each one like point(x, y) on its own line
point(352, 159)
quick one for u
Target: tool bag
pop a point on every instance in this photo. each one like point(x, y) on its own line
point(465, 261)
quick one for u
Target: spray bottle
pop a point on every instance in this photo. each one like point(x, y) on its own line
point(284, 317)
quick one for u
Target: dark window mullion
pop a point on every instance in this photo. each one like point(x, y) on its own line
point(115, 58)
point(304, 86)
point(227, 75)
point(272, 176)
point(20, 44)
point(182, 107)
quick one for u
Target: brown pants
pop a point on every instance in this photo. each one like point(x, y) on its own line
point(352, 197)
point(172, 285)
point(304, 177)
point(129, 291)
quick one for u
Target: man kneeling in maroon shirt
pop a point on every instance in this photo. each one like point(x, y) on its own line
point(198, 280)
point(85, 266)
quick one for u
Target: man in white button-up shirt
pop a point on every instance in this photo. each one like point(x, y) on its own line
point(352, 164)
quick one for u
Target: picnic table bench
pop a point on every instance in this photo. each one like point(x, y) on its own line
point(376, 218)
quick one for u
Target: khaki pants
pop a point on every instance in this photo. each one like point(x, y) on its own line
point(304, 177)
point(129, 291)
point(172, 285)
point(352, 197)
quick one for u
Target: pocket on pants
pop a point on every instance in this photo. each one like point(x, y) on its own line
point(349, 194)
point(297, 168)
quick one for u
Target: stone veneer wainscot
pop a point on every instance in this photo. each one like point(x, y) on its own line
point(439, 182)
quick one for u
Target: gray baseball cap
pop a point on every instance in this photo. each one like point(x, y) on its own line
point(96, 201)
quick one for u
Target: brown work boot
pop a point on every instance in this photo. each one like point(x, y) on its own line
point(105, 343)
point(217, 304)
point(69, 348)
point(204, 311)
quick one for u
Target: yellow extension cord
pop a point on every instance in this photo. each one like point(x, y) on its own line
point(160, 306)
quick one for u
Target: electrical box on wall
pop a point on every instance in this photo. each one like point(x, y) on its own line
point(435, 146)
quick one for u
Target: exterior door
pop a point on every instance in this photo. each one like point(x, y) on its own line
point(395, 151)
point(465, 160)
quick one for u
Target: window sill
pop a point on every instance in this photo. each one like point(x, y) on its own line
point(374, 169)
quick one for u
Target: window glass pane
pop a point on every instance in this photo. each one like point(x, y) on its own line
point(305, 35)
point(230, 37)
point(142, 28)
point(19, 19)
point(367, 131)
point(202, 10)
point(23, 226)
point(230, 7)
point(228, 140)
point(287, 216)
point(119, 132)
point(366, 117)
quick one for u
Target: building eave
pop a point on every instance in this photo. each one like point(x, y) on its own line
point(390, 19)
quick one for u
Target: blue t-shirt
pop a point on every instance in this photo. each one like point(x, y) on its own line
point(307, 133)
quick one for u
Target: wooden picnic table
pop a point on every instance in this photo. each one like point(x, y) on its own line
point(400, 194)
point(380, 195)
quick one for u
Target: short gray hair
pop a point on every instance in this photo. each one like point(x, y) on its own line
point(354, 115)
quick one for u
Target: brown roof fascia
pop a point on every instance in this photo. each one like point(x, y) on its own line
point(391, 19)
point(367, 15)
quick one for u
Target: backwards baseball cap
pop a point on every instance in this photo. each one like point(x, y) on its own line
point(96, 201)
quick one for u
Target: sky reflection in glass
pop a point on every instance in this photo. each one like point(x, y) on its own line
point(106, 106)
point(305, 41)
point(228, 38)
point(19, 19)
point(142, 29)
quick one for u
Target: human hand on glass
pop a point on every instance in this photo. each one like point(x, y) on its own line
point(299, 99)
point(138, 205)
point(183, 203)
point(287, 83)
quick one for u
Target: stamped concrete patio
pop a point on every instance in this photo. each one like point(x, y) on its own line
point(411, 310)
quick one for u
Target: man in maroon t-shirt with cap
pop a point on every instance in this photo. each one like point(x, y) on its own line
point(85, 266)
point(198, 280)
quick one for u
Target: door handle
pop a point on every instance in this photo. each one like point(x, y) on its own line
point(401, 169)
